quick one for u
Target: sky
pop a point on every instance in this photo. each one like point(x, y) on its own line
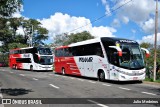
point(131, 19)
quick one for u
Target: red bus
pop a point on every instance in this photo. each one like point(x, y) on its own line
point(31, 58)
point(102, 58)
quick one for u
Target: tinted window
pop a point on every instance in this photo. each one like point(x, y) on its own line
point(23, 60)
point(83, 50)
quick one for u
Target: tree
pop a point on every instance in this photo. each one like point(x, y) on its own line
point(8, 7)
point(30, 27)
point(72, 38)
point(145, 45)
point(33, 28)
point(149, 61)
point(16, 45)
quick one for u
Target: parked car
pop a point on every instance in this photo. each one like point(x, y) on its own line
point(2, 64)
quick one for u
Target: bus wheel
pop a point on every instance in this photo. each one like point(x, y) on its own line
point(13, 66)
point(101, 76)
point(16, 67)
point(63, 71)
point(31, 68)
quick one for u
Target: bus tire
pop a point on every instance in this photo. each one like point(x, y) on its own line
point(63, 71)
point(31, 68)
point(101, 75)
point(16, 67)
point(13, 67)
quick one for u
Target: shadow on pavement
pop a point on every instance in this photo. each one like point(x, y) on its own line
point(107, 81)
point(15, 91)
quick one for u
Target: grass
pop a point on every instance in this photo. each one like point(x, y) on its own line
point(151, 80)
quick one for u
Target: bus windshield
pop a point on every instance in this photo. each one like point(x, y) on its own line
point(46, 60)
point(131, 58)
point(45, 51)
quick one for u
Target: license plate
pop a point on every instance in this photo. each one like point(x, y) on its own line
point(135, 78)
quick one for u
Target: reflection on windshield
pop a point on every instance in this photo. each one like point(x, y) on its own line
point(45, 51)
point(46, 60)
point(131, 58)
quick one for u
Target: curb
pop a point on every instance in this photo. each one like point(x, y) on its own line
point(152, 83)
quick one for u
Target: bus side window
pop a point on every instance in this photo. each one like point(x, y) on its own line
point(113, 57)
point(67, 52)
point(99, 52)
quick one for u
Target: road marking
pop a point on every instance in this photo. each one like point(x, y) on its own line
point(63, 76)
point(92, 82)
point(22, 75)
point(51, 74)
point(80, 79)
point(35, 79)
point(54, 86)
point(72, 78)
point(124, 88)
point(148, 93)
point(99, 104)
point(57, 75)
point(106, 84)
point(11, 72)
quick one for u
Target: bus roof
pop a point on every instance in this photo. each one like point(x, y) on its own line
point(22, 48)
point(103, 39)
point(112, 39)
point(118, 40)
point(26, 48)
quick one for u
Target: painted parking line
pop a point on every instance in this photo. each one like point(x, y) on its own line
point(148, 93)
point(72, 78)
point(99, 104)
point(106, 85)
point(22, 75)
point(80, 79)
point(35, 79)
point(124, 88)
point(57, 75)
point(54, 86)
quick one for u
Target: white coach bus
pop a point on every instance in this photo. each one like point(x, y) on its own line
point(31, 58)
point(103, 58)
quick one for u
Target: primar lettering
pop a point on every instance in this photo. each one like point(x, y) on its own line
point(85, 59)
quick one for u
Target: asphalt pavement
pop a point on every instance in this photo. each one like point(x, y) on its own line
point(72, 91)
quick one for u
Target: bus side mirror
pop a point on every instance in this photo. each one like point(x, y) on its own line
point(146, 52)
point(118, 49)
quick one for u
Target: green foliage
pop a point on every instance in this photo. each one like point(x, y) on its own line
point(16, 45)
point(8, 7)
point(8, 28)
point(4, 57)
point(72, 38)
point(151, 80)
point(150, 61)
point(145, 45)
point(33, 28)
